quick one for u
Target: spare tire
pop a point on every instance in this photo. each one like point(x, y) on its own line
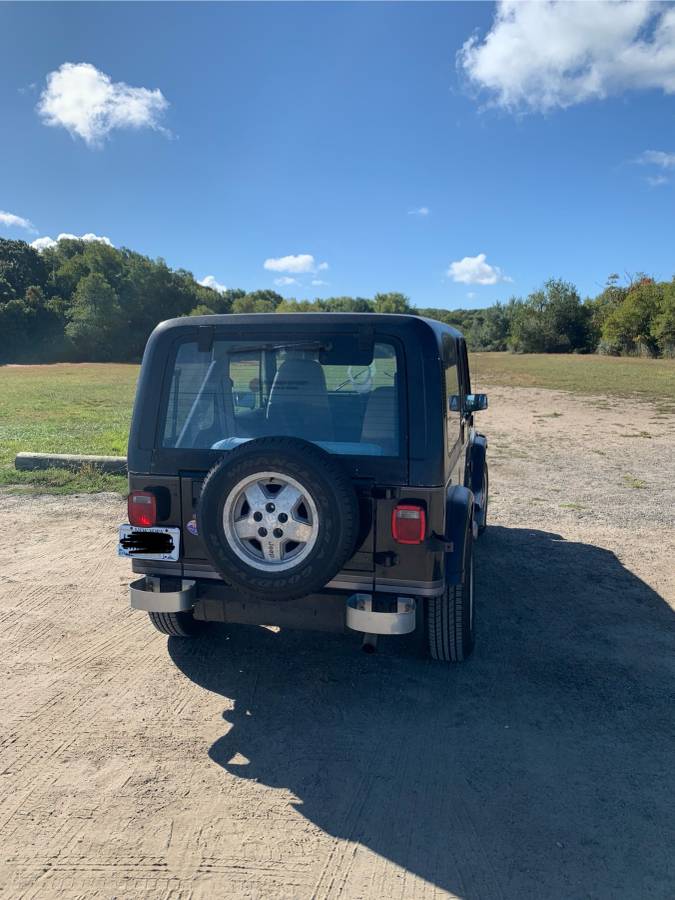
point(279, 518)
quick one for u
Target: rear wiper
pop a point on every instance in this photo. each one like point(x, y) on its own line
point(275, 345)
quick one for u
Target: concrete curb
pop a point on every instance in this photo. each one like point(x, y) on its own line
point(31, 461)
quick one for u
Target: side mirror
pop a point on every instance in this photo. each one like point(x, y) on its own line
point(455, 403)
point(475, 403)
point(244, 399)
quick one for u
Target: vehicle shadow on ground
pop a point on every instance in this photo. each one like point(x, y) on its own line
point(543, 767)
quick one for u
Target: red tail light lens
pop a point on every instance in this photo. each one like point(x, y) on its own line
point(408, 524)
point(142, 508)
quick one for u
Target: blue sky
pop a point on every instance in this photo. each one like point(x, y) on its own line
point(313, 130)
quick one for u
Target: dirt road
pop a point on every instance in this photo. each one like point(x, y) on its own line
point(270, 764)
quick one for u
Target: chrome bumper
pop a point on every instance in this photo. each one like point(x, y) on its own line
point(146, 594)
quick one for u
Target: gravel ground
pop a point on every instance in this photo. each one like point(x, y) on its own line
point(265, 764)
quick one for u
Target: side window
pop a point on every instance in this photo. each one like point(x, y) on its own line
point(453, 404)
point(188, 384)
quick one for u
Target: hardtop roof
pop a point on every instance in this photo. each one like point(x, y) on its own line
point(298, 320)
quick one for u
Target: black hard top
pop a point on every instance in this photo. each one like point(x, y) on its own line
point(411, 323)
point(424, 387)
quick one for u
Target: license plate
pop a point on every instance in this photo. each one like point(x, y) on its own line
point(149, 543)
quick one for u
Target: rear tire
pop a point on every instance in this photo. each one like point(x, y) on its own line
point(177, 624)
point(450, 617)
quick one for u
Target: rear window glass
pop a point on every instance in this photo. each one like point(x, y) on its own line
point(334, 392)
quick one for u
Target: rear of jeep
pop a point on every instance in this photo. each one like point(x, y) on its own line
point(295, 470)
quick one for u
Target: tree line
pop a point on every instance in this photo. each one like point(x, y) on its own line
point(88, 301)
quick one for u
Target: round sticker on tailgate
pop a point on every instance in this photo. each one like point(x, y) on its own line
point(192, 526)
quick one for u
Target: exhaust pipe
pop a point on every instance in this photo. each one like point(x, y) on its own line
point(369, 643)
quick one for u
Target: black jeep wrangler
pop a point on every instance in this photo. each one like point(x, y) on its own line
point(310, 470)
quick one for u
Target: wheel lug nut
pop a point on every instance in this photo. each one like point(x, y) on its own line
point(262, 532)
point(283, 517)
point(257, 516)
point(278, 533)
point(270, 507)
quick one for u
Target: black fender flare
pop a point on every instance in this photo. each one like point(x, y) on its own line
point(458, 524)
point(478, 461)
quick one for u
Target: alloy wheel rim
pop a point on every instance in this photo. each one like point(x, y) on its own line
point(270, 521)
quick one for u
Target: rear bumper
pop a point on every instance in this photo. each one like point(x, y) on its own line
point(336, 611)
point(344, 581)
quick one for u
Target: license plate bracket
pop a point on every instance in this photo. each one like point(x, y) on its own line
point(149, 543)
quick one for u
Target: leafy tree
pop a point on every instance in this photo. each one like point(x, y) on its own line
point(631, 326)
point(31, 329)
point(297, 306)
point(266, 296)
point(346, 304)
point(489, 329)
point(551, 320)
point(202, 310)
point(20, 267)
point(95, 319)
point(248, 305)
point(664, 325)
point(391, 303)
point(601, 307)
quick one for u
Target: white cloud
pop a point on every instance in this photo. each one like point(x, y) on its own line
point(45, 243)
point(471, 295)
point(657, 158)
point(296, 265)
point(475, 270)
point(209, 281)
point(657, 180)
point(11, 221)
point(539, 56)
point(285, 280)
point(87, 103)
point(317, 282)
point(420, 211)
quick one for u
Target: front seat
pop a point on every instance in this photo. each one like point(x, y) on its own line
point(298, 404)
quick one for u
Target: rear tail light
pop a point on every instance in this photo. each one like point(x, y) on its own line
point(408, 524)
point(142, 508)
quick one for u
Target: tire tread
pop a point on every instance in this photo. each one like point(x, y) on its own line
point(445, 623)
point(181, 624)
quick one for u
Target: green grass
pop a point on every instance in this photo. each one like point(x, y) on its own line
point(609, 375)
point(64, 408)
point(61, 481)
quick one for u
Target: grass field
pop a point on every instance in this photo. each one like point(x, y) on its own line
point(613, 376)
point(65, 409)
point(86, 408)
